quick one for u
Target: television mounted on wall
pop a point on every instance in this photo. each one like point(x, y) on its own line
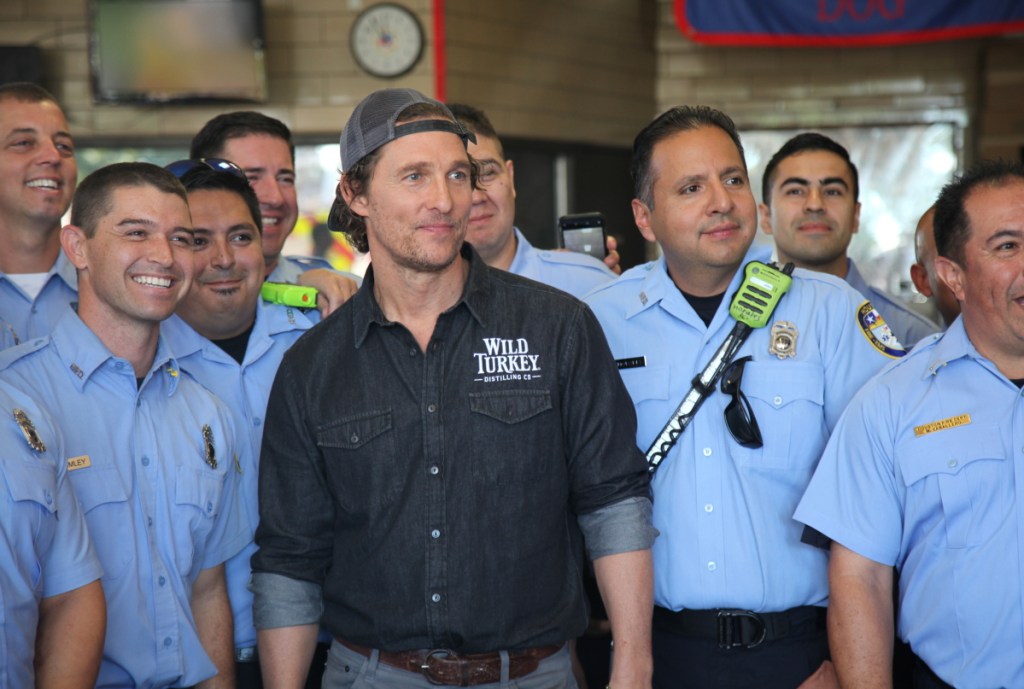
point(177, 51)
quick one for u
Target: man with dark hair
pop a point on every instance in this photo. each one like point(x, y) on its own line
point(739, 599)
point(923, 273)
point(810, 191)
point(52, 603)
point(262, 147)
point(491, 223)
point(923, 472)
point(151, 453)
point(232, 342)
point(437, 452)
point(37, 178)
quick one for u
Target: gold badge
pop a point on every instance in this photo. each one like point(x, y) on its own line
point(211, 453)
point(783, 339)
point(29, 431)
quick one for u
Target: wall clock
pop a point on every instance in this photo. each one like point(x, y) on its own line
point(387, 40)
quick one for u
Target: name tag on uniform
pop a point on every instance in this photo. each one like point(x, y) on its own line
point(631, 362)
point(79, 462)
point(951, 422)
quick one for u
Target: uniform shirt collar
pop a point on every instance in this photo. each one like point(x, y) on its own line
point(954, 344)
point(366, 311)
point(83, 353)
point(523, 247)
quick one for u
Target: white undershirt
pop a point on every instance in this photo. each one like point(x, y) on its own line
point(31, 283)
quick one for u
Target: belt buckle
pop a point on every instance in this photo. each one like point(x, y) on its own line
point(426, 669)
point(730, 630)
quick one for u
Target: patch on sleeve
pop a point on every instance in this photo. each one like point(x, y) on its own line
point(877, 331)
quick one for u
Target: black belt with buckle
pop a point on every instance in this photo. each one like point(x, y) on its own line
point(731, 628)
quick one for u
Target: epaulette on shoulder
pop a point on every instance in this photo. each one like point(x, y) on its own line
point(12, 354)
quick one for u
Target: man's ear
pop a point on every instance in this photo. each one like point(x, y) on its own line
point(919, 276)
point(952, 274)
point(642, 218)
point(856, 218)
point(72, 240)
point(766, 217)
point(357, 203)
point(511, 176)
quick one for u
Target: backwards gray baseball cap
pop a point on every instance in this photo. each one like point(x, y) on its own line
point(372, 125)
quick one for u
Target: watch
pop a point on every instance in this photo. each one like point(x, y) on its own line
point(387, 40)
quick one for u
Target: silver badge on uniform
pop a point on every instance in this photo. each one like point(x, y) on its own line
point(29, 431)
point(783, 339)
point(211, 453)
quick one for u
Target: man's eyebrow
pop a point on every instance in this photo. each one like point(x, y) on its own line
point(835, 180)
point(796, 180)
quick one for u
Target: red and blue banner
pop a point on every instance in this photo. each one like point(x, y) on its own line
point(844, 22)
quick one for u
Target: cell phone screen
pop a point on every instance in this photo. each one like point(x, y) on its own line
point(585, 240)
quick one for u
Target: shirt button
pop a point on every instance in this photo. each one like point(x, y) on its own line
point(354, 438)
point(712, 566)
point(436, 598)
point(434, 471)
point(431, 408)
point(34, 310)
point(709, 507)
point(412, 351)
point(436, 533)
point(707, 451)
point(209, 507)
point(149, 521)
point(145, 461)
point(168, 642)
point(777, 400)
point(49, 498)
point(257, 421)
point(162, 581)
point(951, 463)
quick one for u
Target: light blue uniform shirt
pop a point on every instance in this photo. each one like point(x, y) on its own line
point(908, 325)
point(724, 512)
point(37, 317)
point(44, 545)
point(925, 472)
point(245, 389)
point(570, 272)
point(289, 268)
point(158, 511)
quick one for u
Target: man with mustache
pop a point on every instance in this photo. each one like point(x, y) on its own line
point(739, 598)
point(151, 454)
point(810, 189)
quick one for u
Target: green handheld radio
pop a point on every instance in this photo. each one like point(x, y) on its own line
point(289, 295)
point(755, 300)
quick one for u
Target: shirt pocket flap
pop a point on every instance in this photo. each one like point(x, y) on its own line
point(98, 485)
point(510, 406)
point(647, 382)
point(778, 384)
point(947, 452)
point(201, 489)
point(28, 483)
point(354, 432)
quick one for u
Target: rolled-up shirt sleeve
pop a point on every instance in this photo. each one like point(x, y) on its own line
point(280, 601)
point(618, 528)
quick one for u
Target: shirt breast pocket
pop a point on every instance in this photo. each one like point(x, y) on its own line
point(359, 452)
point(197, 499)
point(108, 513)
point(33, 490)
point(972, 475)
point(787, 398)
point(512, 422)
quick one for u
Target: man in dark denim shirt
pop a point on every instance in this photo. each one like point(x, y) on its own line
point(437, 452)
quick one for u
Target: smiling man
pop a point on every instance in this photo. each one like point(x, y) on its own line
point(740, 600)
point(437, 451)
point(810, 190)
point(37, 179)
point(150, 452)
point(923, 472)
point(232, 342)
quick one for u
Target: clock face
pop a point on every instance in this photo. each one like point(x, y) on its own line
point(387, 40)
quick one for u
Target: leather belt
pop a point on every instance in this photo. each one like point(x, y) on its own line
point(445, 667)
point(731, 628)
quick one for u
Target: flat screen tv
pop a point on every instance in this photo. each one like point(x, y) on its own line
point(177, 51)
